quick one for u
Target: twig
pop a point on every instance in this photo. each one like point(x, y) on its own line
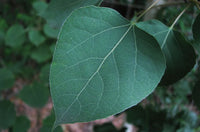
point(170, 4)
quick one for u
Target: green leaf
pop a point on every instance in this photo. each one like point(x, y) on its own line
point(44, 74)
point(196, 29)
point(15, 36)
point(136, 115)
point(7, 114)
point(36, 37)
point(48, 124)
point(50, 32)
point(6, 79)
point(149, 119)
point(196, 34)
point(40, 6)
point(22, 124)
point(52, 48)
point(41, 54)
point(58, 10)
point(35, 95)
point(102, 65)
point(3, 24)
point(180, 55)
point(2, 37)
point(195, 94)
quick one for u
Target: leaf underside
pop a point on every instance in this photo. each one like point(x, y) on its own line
point(180, 55)
point(102, 65)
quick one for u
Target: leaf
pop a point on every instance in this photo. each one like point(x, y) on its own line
point(48, 124)
point(180, 55)
point(36, 37)
point(6, 79)
point(195, 94)
point(3, 24)
point(196, 34)
point(44, 74)
point(7, 114)
point(22, 124)
point(35, 95)
point(52, 48)
point(136, 115)
point(41, 54)
point(2, 37)
point(149, 119)
point(50, 32)
point(40, 6)
point(15, 36)
point(58, 10)
point(102, 65)
point(196, 29)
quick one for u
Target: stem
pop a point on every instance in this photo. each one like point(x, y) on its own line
point(170, 4)
point(99, 2)
point(179, 16)
point(148, 9)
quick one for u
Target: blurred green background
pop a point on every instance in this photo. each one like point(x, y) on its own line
point(26, 48)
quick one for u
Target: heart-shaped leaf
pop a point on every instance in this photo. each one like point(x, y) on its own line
point(103, 64)
point(180, 55)
point(58, 10)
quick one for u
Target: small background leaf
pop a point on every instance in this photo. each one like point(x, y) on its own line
point(50, 32)
point(22, 124)
point(40, 6)
point(15, 36)
point(35, 95)
point(36, 37)
point(6, 79)
point(7, 114)
point(44, 74)
point(179, 54)
point(48, 124)
point(2, 37)
point(196, 29)
point(41, 54)
point(58, 10)
point(195, 94)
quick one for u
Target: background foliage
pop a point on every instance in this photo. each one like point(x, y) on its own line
point(27, 44)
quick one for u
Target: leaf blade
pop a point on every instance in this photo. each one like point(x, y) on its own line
point(90, 69)
point(180, 55)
